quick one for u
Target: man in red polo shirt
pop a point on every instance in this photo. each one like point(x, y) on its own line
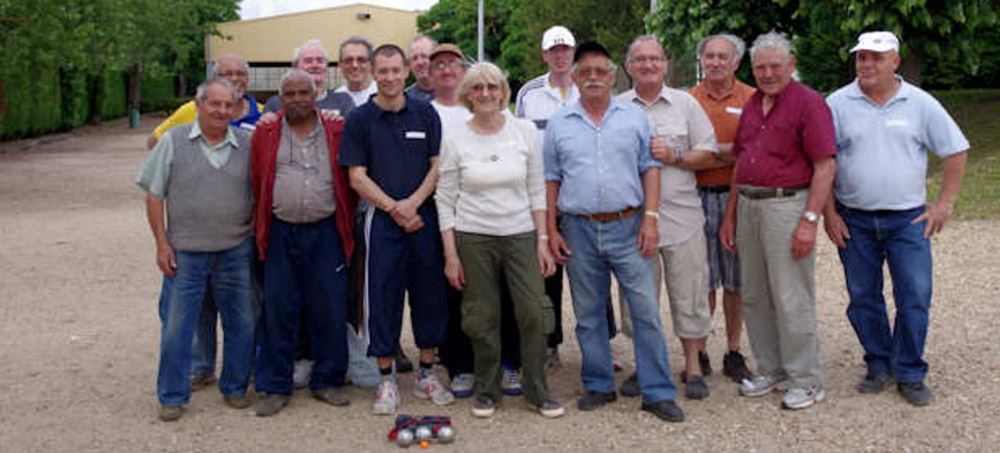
point(785, 143)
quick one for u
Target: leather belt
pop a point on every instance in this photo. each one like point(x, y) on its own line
point(714, 189)
point(765, 193)
point(610, 216)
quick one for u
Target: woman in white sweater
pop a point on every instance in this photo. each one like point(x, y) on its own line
point(491, 205)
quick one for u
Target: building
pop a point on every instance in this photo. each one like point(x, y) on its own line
point(267, 43)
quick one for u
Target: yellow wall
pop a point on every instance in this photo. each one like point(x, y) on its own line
point(272, 39)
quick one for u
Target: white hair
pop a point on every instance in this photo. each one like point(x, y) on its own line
point(231, 56)
point(310, 44)
point(201, 92)
point(739, 47)
point(774, 41)
point(295, 73)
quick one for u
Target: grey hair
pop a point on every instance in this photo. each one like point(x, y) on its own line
point(419, 38)
point(355, 40)
point(202, 90)
point(310, 44)
point(643, 38)
point(772, 40)
point(739, 47)
point(295, 73)
point(232, 56)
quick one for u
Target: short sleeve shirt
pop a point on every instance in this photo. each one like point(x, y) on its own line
point(599, 168)
point(777, 150)
point(678, 120)
point(882, 151)
point(395, 147)
point(724, 113)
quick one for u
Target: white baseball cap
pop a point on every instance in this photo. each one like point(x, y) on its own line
point(557, 35)
point(877, 41)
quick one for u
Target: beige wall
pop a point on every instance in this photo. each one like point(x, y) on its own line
point(272, 39)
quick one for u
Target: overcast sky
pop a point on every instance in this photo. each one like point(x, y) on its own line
point(253, 9)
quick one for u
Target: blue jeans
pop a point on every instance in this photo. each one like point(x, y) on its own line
point(304, 270)
point(879, 237)
point(227, 274)
point(600, 248)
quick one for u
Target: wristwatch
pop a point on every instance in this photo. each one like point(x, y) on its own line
point(810, 216)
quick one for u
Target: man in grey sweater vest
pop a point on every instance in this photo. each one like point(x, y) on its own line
point(198, 175)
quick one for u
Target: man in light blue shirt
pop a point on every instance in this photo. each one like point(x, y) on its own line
point(606, 185)
point(879, 213)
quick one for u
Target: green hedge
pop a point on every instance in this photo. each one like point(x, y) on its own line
point(36, 103)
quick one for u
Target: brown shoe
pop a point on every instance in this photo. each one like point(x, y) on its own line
point(238, 402)
point(200, 381)
point(169, 413)
point(272, 404)
point(331, 395)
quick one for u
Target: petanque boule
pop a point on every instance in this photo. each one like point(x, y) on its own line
point(446, 434)
point(404, 438)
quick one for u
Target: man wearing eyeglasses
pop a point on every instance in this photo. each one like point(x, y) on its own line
point(683, 141)
point(355, 65)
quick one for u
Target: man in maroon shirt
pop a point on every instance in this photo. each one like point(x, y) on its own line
point(785, 143)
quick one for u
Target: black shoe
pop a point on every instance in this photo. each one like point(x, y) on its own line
point(915, 393)
point(875, 382)
point(665, 410)
point(735, 367)
point(704, 363)
point(403, 363)
point(594, 400)
point(696, 388)
point(630, 387)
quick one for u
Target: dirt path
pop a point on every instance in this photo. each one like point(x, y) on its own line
point(79, 340)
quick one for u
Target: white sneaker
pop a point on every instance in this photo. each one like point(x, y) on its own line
point(386, 398)
point(802, 397)
point(511, 382)
point(428, 386)
point(302, 373)
point(758, 385)
point(462, 384)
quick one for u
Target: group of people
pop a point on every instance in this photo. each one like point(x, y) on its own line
point(307, 237)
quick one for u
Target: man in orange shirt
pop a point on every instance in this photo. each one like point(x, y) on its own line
point(722, 97)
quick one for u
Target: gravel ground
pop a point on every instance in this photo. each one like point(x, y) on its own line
point(79, 340)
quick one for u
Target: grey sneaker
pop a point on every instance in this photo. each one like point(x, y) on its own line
point(386, 398)
point(461, 385)
point(549, 409)
point(169, 413)
point(802, 397)
point(758, 385)
point(511, 382)
point(200, 381)
point(484, 407)
point(272, 404)
point(915, 393)
point(428, 386)
point(333, 396)
point(696, 388)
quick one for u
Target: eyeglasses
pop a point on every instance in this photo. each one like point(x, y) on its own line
point(644, 59)
point(233, 74)
point(311, 60)
point(440, 66)
point(353, 60)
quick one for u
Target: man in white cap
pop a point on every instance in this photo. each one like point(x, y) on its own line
point(537, 100)
point(877, 216)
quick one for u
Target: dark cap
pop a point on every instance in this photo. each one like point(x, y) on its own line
point(590, 48)
point(447, 48)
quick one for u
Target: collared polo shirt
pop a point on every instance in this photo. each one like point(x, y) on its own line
point(724, 113)
point(155, 174)
point(678, 120)
point(303, 179)
point(778, 150)
point(599, 168)
point(537, 100)
point(395, 147)
point(882, 151)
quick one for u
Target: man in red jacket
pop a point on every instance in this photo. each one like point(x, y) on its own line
point(304, 216)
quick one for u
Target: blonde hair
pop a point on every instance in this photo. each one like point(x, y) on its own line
point(488, 72)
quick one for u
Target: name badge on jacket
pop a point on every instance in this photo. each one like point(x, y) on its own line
point(416, 134)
